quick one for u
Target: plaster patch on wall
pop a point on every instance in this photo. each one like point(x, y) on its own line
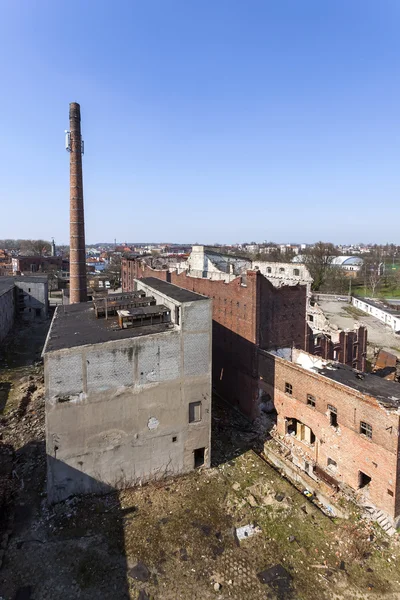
point(153, 423)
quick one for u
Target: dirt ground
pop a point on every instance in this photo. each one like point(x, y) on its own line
point(346, 317)
point(175, 539)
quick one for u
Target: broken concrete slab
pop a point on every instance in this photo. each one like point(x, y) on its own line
point(247, 531)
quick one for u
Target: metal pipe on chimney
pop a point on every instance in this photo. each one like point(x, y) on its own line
point(77, 255)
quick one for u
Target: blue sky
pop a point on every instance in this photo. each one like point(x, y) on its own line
point(203, 120)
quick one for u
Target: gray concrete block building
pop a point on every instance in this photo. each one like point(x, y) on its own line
point(128, 397)
point(24, 297)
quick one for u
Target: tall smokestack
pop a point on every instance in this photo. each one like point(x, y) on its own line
point(77, 254)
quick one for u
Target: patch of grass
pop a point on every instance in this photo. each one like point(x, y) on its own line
point(354, 312)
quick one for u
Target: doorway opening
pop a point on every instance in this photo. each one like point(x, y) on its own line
point(198, 457)
point(363, 479)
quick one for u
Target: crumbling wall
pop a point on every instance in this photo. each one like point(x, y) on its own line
point(352, 451)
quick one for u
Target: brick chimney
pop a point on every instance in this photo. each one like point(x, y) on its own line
point(77, 255)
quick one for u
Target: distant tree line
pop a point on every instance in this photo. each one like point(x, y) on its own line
point(27, 247)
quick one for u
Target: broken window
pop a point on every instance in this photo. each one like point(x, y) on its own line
point(366, 429)
point(363, 479)
point(332, 415)
point(301, 431)
point(288, 388)
point(194, 412)
point(310, 400)
point(332, 464)
point(198, 457)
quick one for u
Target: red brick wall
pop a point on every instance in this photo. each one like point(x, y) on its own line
point(352, 452)
point(244, 317)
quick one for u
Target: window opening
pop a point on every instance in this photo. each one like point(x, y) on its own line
point(310, 400)
point(174, 439)
point(332, 415)
point(366, 429)
point(288, 388)
point(332, 463)
point(194, 412)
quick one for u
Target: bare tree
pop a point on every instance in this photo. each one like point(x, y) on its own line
point(374, 276)
point(319, 262)
point(35, 247)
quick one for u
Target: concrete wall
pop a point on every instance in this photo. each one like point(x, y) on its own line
point(35, 298)
point(7, 311)
point(118, 413)
point(212, 265)
point(284, 273)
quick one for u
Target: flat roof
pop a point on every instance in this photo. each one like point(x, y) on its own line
point(387, 392)
point(32, 278)
point(380, 305)
point(76, 325)
point(172, 291)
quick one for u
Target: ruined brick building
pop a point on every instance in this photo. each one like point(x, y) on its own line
point(249, 314)
point(338, 426)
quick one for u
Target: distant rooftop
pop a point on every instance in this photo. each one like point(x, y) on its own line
point(7, 282)
point(380, 305)
point(172, 291)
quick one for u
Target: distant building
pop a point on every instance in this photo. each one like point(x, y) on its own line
point(22, 297)
point(36, 264)
point(129, 398)
point(385, 312)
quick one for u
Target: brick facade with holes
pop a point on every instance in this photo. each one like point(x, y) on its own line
point(248, 313)
point(353, 452)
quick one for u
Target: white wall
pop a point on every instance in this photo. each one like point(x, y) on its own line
point(379, 313)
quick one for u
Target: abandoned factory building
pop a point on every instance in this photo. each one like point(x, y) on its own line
point(128, 389)
point(338, 425)
point(249, 313)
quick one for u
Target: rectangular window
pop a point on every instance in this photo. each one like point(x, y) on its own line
point(310, 318)
point(366, 429)
point(288, 389)
point(332, 415)
point(177, 315)
point(390, 492)
point(332, 463)
point(310, 400)
point(194, 412)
